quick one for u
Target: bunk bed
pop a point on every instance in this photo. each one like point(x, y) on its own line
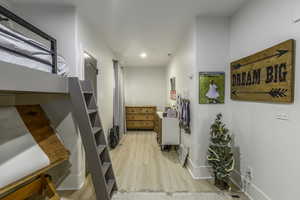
point(28, 65)
point(44, 76)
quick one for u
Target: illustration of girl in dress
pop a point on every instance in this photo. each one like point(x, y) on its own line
point(212, 93)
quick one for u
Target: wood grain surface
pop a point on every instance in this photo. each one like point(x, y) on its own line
point(267, 76)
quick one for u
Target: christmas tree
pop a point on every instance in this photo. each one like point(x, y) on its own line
point(220, 156)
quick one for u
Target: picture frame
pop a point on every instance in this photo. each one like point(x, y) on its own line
point(211, 87)
point(173, 88)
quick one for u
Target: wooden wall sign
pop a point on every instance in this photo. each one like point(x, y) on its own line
point(267, 76)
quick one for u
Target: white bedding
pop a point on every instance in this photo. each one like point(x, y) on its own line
point(20, 60)
point(20, 155)
point(20, 46)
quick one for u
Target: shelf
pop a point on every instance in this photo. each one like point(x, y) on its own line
point(91, 111)
point(100, 149)
point(96, 129)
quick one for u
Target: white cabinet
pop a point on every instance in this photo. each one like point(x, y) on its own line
point(170, 132)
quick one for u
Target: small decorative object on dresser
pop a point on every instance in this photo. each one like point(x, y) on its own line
point(140, 117)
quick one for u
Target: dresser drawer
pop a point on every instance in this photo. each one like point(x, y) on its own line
point(141, 110)
point(151, 110)
point(140, 124)
point(133, 110)
point(142, 117)
point(149, 124)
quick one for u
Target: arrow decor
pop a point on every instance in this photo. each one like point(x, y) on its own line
point(266, 76)
point(274, 92)
point(278, 54)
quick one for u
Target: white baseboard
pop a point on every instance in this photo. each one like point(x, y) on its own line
point(252, 191)
point(72, 182)
point(255, 193)
point(198, 172)
point(236, 179)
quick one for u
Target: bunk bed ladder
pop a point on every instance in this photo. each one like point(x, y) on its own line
point(87, 116)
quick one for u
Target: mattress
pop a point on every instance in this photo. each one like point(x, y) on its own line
point(20, 155)
point(18, 45)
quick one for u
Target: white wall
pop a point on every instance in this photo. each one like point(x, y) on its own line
point(212, 55)
point(203, 49)
point(90, 40)
point(182, 66)
point(145, 86)
point(270, 146)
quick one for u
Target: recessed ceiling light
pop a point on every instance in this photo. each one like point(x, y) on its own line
point(143, 55)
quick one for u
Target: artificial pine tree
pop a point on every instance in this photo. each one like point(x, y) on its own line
point(220, 156)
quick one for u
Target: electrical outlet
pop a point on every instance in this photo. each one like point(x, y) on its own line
point(278, 116)
point(282, 116)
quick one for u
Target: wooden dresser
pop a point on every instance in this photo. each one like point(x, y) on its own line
point(140, 117)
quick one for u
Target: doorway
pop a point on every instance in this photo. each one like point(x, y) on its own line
point(91, 71)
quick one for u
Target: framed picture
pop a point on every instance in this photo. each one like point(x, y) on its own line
point(211, 87)
point(173, 88)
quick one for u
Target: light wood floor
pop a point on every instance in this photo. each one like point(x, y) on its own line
point(140, 165)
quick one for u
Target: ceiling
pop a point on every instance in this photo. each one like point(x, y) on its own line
point(155, 27)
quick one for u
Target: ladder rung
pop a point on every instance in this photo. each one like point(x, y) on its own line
point(100, 149)
point(91, 111)
point(96, 130)
point(105, 167)
point(88, 92)
point(110, 185)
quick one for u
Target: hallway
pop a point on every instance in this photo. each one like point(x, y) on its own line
point(144, 172)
